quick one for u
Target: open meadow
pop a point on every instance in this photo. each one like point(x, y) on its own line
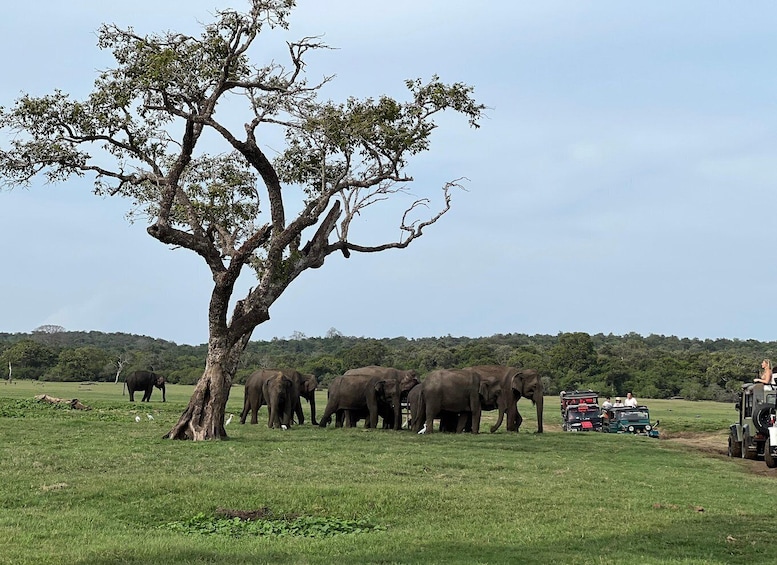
point(99, 487)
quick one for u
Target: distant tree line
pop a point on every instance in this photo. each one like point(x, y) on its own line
point(655, 366)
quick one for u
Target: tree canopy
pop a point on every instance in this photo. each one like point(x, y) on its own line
point(150, 132)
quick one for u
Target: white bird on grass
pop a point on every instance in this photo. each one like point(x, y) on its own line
point(228, 420)
point(137, 418)
point(149, 416)
point(422, 430)
point(283, 427)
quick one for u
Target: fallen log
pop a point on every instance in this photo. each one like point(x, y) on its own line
point(75, 404)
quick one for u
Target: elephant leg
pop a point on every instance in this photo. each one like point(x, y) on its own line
point(270, 414)
point(246, 408)
point(256, 404)
point(418, 415)
point(298, 411)
point(288, 412)
point(461, 421)
point(131, 392)
point(312, 402)
point(476, 414)
point(431, 411)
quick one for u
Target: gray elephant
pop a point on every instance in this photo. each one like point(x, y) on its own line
point(253, 399)
point(449, 421)
point(515, 383)
point(145, 381)
point(357, 393)
point(407, 379)
point(278, 391)
point(460, 391)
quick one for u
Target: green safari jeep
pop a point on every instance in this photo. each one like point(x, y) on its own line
point(629, 420)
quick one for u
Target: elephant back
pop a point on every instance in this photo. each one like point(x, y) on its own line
point(406, 379)
point(256, 379)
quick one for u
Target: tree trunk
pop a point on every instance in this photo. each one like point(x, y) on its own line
point(204, 417)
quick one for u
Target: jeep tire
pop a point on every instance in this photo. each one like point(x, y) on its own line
point(761, 417)
point(748, 453)
point(771, 462)
point(734, 447)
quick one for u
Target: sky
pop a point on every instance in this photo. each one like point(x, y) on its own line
point(623, 179)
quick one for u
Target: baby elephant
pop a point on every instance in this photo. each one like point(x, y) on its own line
point(145, 381)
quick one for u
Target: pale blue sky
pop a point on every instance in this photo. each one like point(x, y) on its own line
point(624, 180)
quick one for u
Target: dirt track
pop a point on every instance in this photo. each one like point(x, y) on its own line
point(715, 445)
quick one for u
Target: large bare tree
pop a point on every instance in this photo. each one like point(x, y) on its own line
point(148, 132)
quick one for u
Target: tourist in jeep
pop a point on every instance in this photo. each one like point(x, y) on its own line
point(767, 374)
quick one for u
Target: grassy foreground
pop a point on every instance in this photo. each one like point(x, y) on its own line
point(98, 487)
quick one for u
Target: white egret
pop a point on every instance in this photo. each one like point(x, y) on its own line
point(137, 418)
point(228, 420)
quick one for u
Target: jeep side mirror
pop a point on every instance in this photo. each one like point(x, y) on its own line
point(737, 407)
point(657, 422)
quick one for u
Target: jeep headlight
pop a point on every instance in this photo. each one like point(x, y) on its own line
point(648, 428)
point(631, 428)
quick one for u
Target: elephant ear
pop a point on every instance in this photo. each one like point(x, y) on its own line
point(516, 383)
point(380, 386)
point(311, 383)
point(531, 384)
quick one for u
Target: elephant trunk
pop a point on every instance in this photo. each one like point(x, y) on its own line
point(164, 399)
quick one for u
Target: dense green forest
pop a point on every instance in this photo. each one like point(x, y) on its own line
point(655, 366)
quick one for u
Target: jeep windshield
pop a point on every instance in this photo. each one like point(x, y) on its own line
point(634, 415)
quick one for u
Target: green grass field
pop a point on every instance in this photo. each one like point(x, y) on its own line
point(98, 487)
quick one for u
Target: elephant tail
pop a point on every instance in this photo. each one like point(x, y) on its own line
point(123, 388)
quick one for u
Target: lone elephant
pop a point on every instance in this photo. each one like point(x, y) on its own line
point(145, 381)
point(278, 391)
point(515, 383)
point(459, 391)
point(360, 393)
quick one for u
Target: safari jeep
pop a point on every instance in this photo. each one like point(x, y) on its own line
point(630, 420)
point(580, 411)
point(754, 435)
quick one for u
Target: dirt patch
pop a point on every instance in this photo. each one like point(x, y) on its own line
point(716, 445)
point(247, 515)
point(711, 443)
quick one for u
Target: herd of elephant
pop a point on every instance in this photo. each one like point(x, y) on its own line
point(455, 397)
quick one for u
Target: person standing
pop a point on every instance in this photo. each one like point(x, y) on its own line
point(631, 402)
point(618, 402)
point(607, 404)
point(767, 375)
